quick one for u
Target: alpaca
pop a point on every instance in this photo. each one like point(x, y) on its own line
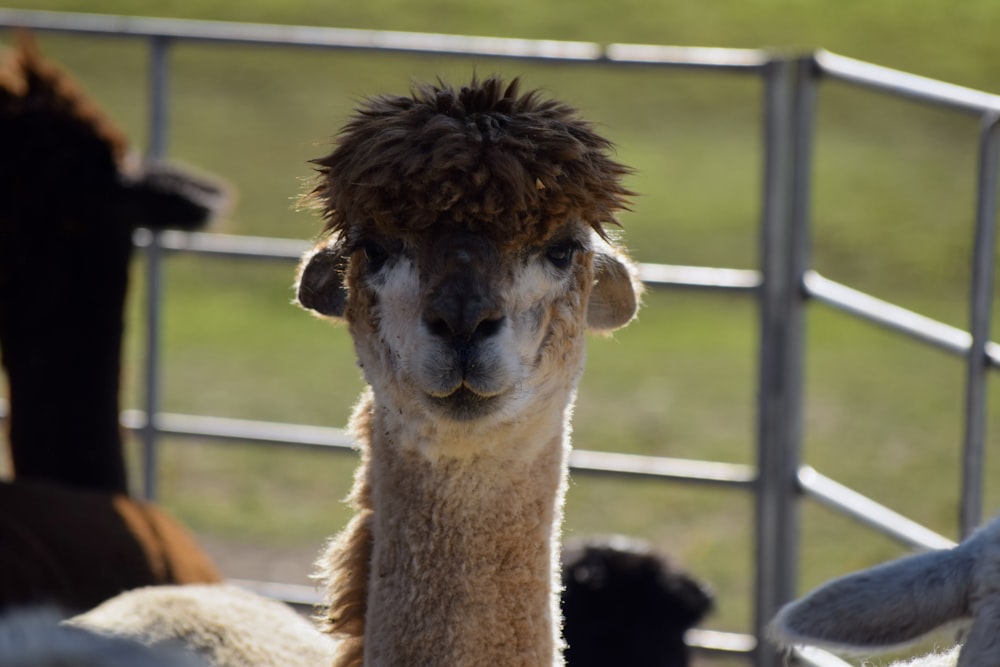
point(896, 603)
point(34, 638)
point(69, 201)
point(466, 248)
point(68, 205)
point(625, 604)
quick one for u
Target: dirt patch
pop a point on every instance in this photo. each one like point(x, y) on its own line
point(261, 562)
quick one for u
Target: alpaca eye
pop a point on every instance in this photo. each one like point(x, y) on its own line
point(561, 254)
point(375, 255)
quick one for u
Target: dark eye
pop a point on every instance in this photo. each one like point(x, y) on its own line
point(561, 254)
point(375, 255)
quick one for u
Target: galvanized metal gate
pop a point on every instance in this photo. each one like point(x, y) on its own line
point(783, 286)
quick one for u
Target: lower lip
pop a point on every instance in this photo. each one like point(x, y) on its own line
point(464, 404)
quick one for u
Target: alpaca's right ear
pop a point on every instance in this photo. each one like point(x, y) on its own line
point(159, 195)
point(320, 285)
point(887, 606)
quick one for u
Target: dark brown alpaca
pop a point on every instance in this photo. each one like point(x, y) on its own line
point(68, 206)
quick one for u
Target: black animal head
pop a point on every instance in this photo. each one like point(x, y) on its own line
point(623, 604)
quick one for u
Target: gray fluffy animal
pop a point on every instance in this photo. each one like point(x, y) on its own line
point(896, 603)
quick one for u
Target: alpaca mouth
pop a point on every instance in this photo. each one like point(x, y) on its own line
point(464, 404)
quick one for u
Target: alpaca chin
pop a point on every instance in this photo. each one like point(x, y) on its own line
point(464, 405)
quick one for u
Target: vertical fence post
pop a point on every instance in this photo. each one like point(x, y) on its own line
point(159, 78)
point(981, 301)
point(783, 256)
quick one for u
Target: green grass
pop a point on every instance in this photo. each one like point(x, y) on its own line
point(892, 215)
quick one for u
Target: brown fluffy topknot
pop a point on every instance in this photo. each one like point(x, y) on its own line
point(485, 158)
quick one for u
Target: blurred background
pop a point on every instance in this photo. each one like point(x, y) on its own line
point(893, 209)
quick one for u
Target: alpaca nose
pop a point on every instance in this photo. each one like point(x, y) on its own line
point(462, 315)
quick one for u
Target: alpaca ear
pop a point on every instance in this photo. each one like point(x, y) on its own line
point(320, 285)
point(887, 606)
point(160, 195)
point(614, 299)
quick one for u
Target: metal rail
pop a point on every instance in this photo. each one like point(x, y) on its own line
point(256, 34)
point(783, 286)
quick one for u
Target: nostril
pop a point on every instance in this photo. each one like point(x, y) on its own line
point(488, 327)
point(438, 326)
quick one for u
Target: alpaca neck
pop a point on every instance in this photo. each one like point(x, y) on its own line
point(63, 364)
point(64, 427)
point(463, 551)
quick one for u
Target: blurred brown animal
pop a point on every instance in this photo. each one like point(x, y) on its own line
point(69, 202)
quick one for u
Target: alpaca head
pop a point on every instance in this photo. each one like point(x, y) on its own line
point(623, 603)
point(896, 603)
point(66, 170)
point(466, 246)
point(70, 196)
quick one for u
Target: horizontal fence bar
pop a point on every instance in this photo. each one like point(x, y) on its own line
point(721, 644)
point(260, 247)
point(330, 438)
point(661, 467)
point(224, 245)
point(912, 86)
point(258, 34)
point(297, 595)
point(889, 315)
point(832, 293)
point(861, 508)
point(242, 430)
point(846, 69)
point(812, 484)
point(738, 280)
point(688, 56)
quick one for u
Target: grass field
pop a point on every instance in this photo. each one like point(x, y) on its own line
point(893, 210)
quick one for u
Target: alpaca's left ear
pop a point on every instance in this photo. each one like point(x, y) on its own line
point(320, 285)
point(614, 299)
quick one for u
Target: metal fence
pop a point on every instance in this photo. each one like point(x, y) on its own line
point(782, 287)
